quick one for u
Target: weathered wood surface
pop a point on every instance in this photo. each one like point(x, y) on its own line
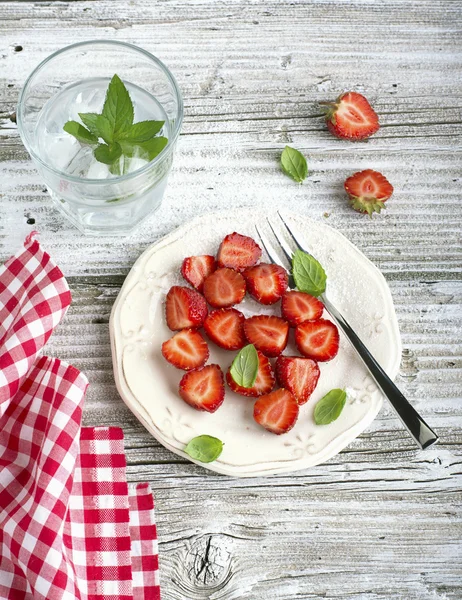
point(380, 520)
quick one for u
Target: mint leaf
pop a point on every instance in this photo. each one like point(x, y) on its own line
point(308, 274)
point(328, 409)
point(147, 150)
point(80, 133)
point(142, 131)
point(204, 448)
point(118, 107)
point(244, 369)
point(107, 154)
point(89, 120)
point(293, 164)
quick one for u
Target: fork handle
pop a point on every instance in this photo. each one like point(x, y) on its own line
point(419, 430)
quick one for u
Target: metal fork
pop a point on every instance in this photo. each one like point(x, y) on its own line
point(419, 430)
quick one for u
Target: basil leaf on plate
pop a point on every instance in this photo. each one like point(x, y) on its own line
point(328, 409)
point(293, 164)
point(204, 448)
point(244, 369)
point(308, 274)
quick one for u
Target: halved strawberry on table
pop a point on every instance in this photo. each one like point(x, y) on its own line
point(368, 190)
point(277, 411)
point(203, 388)
point(225, 327)
point(318, 340)
point(298, 375)
point(266, 282)
point(186, 350)
point(224, 287)
point(264, 382)
point(195, 269)
point(268, 334)
point(184, 308)
point(297, 307)
point(351, 117)
point(238, 252)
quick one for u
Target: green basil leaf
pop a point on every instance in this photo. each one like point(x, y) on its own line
point(107, 154)
point(244, 369)
point(142, 131)
point(204, 448)
point(328, 409)
point(293, 164)
point(147, 150)
point(118, 107)
point(89, 120)
point(308, 274)
point(80, 132)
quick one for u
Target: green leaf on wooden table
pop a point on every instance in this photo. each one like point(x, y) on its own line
point(147, 150)
point(328, 409)
point(244, 369)
point(308, 274)
point(204, 448)
point(293, 164)
point(118, 107)
point(107, 154)
point(142, 131)
point(80, 132)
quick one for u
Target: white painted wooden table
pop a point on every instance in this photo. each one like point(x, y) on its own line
point(381, 520)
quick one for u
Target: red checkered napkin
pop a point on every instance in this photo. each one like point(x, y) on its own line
point(70, 526)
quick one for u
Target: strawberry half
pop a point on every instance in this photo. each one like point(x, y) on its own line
point(267, 333)
point(204, 388)
point(368, 191)
point(298, 375)
point(297, 307)
point(238, 252)
point(224, 287)
point(277, 412)
point(184, 308)
point(351, 117)
point(266, 282)
point(196, 268)
point(264, 382)
point(225, 327)
point(318, 340)
point(186, 350)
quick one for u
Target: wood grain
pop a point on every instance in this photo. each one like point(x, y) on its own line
point(381, 520)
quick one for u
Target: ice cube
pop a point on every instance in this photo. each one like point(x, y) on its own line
point(98, 170)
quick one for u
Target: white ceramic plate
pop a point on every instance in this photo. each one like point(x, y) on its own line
point(148, 384)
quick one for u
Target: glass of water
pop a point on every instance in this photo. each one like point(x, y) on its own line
point(75, 80)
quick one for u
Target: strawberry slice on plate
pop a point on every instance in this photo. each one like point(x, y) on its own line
point(318, 340)
point(204, 388)
point(277, 412)
point(268, 334)
point(184, 308)
point(266, 282)
point(238, 252)
point(224, 287)
point(368, 190)
point(225, 327)
point(186, 350)
point(297, 307)
point(298, 375)
point(351, 117)
point(195, 269)
point(264, 382)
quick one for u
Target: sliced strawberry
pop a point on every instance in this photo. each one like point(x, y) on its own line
point(184, 308)
point(297, 307)
point(267, 333)
point(224, 287)
point(186, 350)
point(264, 382)
point(238, 252)
point(318, 340)
point(195, 269)
point(368, 191)
point(277, 412)
point(351, 117)
point(298, 375)
point(225, 327)
point(266, 282)
point(204, 388)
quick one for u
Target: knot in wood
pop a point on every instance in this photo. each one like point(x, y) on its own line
point(208, 562)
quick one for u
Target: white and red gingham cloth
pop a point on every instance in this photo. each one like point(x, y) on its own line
point(70, 525)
